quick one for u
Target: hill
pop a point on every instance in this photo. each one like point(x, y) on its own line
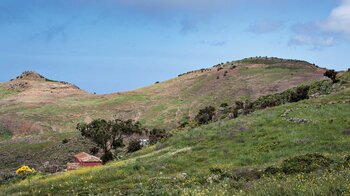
point(32, 104)
point(263, 153)
point(45, 105)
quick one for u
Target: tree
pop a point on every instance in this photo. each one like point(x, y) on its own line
point(98, 131)
point(108, 135)
point(205, 115)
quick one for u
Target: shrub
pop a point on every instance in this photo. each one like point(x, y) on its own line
point(272, 170)
point(247, 174)
point(157, 135)
point(24, 170)
point(239, 105)
point(321, 87)
point(205, 115)
point(107, 157)
point(305, 163)
point(134, 145)
point(237, 174)
point(332, 75)
point(223, 105)
point(299, 93)
point(64, 141)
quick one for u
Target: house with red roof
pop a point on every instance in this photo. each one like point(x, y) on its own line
point(83, 159)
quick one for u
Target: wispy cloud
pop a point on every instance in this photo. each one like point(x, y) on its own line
point(339, 19)
point(315, 42)
point(263, 27)
point(326, 33)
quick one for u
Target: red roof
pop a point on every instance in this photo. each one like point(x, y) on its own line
point(87, 158)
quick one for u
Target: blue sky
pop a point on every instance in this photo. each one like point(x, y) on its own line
point(107, 46)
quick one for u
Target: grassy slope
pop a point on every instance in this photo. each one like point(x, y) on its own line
point(165, 104)
point(181, 164)
point(159, 105)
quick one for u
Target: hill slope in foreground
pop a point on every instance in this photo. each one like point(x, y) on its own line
point(263, 153)
point(41, 105)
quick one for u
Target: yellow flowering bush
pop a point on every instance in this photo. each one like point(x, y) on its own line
point(24, 170)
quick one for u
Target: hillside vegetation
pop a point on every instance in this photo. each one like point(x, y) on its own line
point(263, 153)
point(43, 105)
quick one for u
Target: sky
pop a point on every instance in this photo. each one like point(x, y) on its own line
point(106, 46)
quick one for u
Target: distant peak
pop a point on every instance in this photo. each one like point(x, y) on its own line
point(30, 75)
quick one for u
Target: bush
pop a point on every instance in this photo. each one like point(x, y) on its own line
point(24, 170)
point(272, 170)
point(247, 174)
point(107, 157)
point(305, 163)
point(239, 105)
point(332, 75)
point(134, 145)
point(237, 174)
point(205, 115)
point(223, 105)
point(321, 87)
point(157, 135)
point(64, 141)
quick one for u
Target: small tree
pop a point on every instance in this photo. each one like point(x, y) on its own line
point(108, 135)
point(205, 115)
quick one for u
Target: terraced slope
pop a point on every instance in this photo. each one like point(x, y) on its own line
point(42, 105)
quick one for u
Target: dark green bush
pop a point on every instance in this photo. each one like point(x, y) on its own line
point(272, 170)
point(205, 115)
point(157, 135)
point(237, 174)
point(246, 174)
point(134, 145)
point(107, 157)
point(65, 141)
point(332, 75)
point(305, 163)
point(223, 105)
point(239, 105)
